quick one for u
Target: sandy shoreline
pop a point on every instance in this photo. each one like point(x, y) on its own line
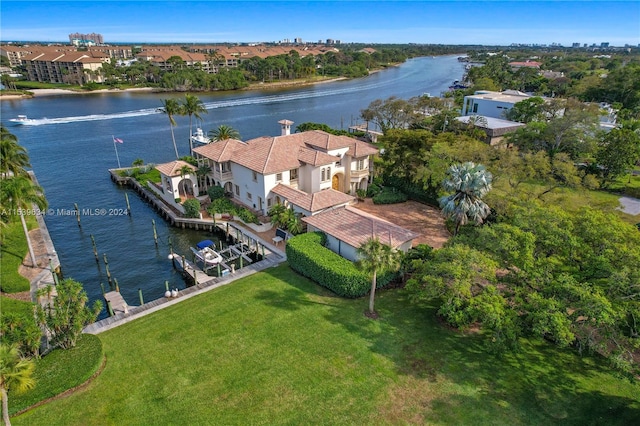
point(55, 92)
point(64, 92)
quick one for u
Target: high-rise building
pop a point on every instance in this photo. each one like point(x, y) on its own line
point(78, 39)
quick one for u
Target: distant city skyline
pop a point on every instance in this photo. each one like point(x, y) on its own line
point(425, 22)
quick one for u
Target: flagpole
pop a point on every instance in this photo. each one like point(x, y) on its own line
point(116, 148)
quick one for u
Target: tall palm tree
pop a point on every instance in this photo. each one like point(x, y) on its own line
point(19, 194)
point(193, 107)
point(469, 182)
point(16, 373)
point(223, 132)
point(171, 108)
point(13, 157)
point(375, 257)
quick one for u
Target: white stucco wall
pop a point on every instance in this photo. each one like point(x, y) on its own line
point(243, 177)
point(337, 246)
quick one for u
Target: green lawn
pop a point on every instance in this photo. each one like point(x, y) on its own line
point(12, 251)
point(274, 348)
point(59, 371)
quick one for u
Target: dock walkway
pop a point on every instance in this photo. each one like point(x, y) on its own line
point(134, 312)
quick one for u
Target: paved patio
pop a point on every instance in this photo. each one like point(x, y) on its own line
point(420, 218)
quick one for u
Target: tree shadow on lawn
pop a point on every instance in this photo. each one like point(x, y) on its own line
point(452, 375)
point(541, 384)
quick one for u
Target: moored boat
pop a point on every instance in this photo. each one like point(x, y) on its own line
point(206, 254)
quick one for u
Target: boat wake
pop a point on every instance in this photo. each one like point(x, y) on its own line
point(253, 100)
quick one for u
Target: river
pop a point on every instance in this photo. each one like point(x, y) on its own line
point(71, 149)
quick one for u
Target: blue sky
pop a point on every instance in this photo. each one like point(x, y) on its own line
point(448, 22)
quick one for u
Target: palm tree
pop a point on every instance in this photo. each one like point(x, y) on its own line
point(193, 107)
point(13, 157)
point(470, 182)
point(375, 257)
point(18, 194)
point(15, 374)
point(223, 132)
point(171, 107)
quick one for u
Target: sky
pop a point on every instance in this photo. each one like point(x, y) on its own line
point(430, 22)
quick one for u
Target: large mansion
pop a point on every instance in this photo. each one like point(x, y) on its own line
point(311, 171)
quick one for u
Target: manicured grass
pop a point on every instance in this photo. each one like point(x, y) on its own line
point(61, 370)
point(12, 252)
point(14, 306)
point(274, 348)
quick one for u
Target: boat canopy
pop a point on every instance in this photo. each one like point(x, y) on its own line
point(204, 243)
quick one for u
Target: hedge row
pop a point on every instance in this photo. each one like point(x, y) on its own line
point(307, 256)
point(390, 195)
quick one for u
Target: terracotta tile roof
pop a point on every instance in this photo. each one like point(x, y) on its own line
point(355, 227)
point(274, 154)
point(173, 168)
point(329, 142)
point(220, 151)
point(54, 56)
point(312, 202)
point(362, 149)
point(316, 158)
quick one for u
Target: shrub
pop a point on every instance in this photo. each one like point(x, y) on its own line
point(68, 314)
point(307, 255)
point(373, 190)
point(215, 192)
point(247, 216)
point(21, 330)
point(192, 208)
point(427, 194)
point(221, 205)
point(390, 196)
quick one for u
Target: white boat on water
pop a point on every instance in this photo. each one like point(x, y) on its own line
point(21, 119)
point(200, 138)
point(204, 253)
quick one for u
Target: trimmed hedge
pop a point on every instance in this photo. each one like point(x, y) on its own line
point(390, 195)
point(307, 256)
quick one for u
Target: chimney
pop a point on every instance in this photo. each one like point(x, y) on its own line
point(286, 127)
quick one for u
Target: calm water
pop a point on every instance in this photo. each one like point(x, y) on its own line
point(71, 150)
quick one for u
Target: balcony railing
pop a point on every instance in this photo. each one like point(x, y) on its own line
point(359, 173)
point(221, 176)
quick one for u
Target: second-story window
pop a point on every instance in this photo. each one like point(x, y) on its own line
point(293, 174)
point(278, 177)
point(255, 176)
point(360, 164)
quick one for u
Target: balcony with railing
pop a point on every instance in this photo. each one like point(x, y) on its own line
point(359, 173)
